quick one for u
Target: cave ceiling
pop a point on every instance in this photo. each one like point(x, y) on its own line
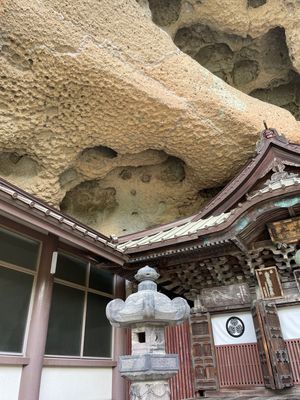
point(256, 60)
point(127, 114)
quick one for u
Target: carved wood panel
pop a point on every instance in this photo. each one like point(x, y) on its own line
point(263, 350)
point(272, 348)
point(286, 231)
point(277, 347)
point(222, 296)
point(203, 355)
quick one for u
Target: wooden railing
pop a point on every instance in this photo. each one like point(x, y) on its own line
point(238, 365)
point(293, 346)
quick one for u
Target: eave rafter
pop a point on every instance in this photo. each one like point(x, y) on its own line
point(231, 257)
point(233, 232)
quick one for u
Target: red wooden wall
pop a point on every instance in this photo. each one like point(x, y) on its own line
point(178, 342)
point(293, 346)
point(238, 365)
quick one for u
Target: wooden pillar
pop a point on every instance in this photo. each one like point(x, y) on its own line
point(203, 354)
point(37, 335)
point(119, 385)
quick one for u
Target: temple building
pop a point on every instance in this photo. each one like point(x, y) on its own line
point(236, 262)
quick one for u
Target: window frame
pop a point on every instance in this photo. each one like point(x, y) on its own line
point(19, 230)
point(41, 236)
point(68, 251)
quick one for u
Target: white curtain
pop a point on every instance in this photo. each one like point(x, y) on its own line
point(221, 335)
point(289, 318)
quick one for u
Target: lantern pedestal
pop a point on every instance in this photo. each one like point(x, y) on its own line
point(158, 390)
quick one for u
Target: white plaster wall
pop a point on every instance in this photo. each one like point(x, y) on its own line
point(9, 382)
point(62, 383)
point(222, 337)
point(289, 318)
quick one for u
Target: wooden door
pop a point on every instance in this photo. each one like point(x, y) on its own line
point(272, 348)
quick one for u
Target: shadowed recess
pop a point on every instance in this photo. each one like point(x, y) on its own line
point(260, 67)
point(15, 165)
point(129, 198)
point(165, 12)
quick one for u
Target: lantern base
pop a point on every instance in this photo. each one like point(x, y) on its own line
point(149, 390)
point(148, 367)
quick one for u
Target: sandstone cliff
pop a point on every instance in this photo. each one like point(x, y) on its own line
point(103, 115)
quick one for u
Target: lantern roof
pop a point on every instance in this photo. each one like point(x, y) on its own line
point(147, 306)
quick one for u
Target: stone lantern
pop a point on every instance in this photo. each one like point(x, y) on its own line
point(147, 313)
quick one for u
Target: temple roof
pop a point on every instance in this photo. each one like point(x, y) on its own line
point(186, 229)
point(259, 178)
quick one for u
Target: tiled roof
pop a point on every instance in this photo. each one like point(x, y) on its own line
point(280, 184)
point(186, 229)
point(192, 228)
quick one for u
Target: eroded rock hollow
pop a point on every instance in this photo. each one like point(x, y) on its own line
point(127, 114)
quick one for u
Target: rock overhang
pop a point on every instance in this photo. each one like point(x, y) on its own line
point(83, 75)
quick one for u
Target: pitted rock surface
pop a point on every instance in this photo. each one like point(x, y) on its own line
point(99, 107)
point(252, 45)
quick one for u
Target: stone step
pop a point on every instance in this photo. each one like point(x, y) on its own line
point(253, 394)
point(242, 393)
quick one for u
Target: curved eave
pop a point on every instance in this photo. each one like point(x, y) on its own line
point(224, 232)
point(254, 170)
